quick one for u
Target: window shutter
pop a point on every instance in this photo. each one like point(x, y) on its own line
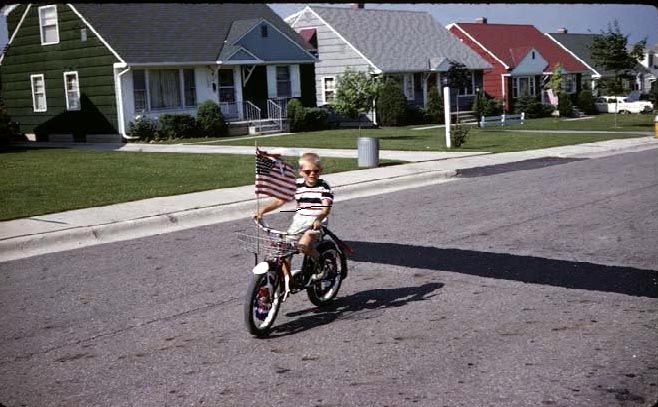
point(271, 81)
point(295, 82)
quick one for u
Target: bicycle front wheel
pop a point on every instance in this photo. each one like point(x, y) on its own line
point(262, 303)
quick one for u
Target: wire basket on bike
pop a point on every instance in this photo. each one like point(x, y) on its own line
point(267, 244)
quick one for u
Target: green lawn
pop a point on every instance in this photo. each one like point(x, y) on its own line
point(625, 122)
point(36, 182)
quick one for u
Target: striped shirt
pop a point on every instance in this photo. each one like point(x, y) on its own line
point(309, 199)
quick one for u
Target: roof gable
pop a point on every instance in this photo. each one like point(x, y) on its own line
point(500, 39)
point(175, 32)
point(528, 61)
point(398, 40)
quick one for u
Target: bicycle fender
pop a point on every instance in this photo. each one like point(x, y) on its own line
point(261, 268)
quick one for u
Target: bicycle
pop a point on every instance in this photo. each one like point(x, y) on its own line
point(265, 290)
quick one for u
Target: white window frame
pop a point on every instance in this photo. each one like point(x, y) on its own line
point(472, 92)
point(572, 78)
point(325, 90)
point(41, 24)
point(34, 101)
point(66, 91)
point(181, 90)
point(531, 86)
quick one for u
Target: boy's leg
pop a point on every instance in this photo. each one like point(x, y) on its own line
point(286, 278)
point(306, 243)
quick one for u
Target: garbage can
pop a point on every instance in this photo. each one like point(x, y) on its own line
point(368, 148)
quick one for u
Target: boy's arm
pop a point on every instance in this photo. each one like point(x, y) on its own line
point(275, 203)
point(326, 208)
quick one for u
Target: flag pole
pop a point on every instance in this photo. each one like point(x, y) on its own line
point(257, 207)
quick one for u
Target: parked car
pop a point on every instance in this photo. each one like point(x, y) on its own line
point(618, 104)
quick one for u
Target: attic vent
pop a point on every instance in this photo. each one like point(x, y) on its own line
point(263, 31)
point(533, 54)
point(83, 34)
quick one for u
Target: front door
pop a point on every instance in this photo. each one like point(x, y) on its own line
point(255, 90)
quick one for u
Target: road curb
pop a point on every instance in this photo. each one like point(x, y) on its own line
point(83, 236)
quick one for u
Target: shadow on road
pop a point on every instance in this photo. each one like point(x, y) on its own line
point(535, 270)
point(356, 305)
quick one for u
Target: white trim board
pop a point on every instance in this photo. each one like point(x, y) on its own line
point(377, 70)
point(572, 54)
point(84, 20)
point(470, 37)
point(18, 26)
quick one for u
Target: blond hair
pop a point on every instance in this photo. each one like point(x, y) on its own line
point(311, 158)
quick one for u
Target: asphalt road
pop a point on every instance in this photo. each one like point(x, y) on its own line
point(535, 286)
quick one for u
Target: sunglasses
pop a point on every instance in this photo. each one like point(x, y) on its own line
point(309, 172)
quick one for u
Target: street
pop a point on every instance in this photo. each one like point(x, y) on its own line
point(525, 285)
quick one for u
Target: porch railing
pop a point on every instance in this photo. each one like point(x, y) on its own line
point(275, 113)
point(252, 115)
point(282, 102)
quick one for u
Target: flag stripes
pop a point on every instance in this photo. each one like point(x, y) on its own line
point(274, 177)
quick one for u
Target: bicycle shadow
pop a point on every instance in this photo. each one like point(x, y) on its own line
point(535, 270)
point(355, 305)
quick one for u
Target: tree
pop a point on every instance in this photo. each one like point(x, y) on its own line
point(355, 93)
point(458, 77)
point(391, 103)
point(610, 51)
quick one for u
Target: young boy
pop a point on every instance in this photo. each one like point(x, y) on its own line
point(314, 199)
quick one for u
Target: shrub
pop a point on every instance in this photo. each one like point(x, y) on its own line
point(480, 104)
point(174, 126)
point(532, 107)
point(493, 107)
point(586, 102)
point(391, 103)
point(414, 115)
point(143, 128)
point(8, 130)
point(210, 120)
point(565, 106)
point(315, 119)
point(296, 115)
point(434, 108)
point(458, 134)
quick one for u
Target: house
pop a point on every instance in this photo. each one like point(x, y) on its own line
point(522, 59)
point(650, 63)
point(408, 45)
point(85, 70)
point(578, 45)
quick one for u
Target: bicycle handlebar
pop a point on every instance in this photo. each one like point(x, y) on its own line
point(261, 224)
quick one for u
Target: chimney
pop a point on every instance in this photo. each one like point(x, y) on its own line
point(562, 30)
point(481, 20)
point(356, 6)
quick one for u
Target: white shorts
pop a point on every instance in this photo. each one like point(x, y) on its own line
point(301, 224)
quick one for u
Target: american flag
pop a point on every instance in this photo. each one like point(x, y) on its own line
point(274, 177)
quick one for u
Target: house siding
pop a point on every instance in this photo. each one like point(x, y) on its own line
point(270, 48)
point(91, 59)
point(334, 54)
point(491, 78)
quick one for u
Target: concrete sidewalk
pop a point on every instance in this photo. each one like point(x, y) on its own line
point(79, 228)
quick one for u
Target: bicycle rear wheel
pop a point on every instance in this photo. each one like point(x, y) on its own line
point(324, 291)
point(262, 303)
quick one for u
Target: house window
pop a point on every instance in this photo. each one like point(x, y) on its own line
point(523, 86)
point(48, 25)
point(72, 90)
point(139, 89)
point(283, 88)
point(469, 86)
point(226, 86)
point(569, 83)
point(189, 87)
point(155, 89)
point(329, 89)
point(38, 93)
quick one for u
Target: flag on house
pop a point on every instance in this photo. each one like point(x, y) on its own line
point(274, 177)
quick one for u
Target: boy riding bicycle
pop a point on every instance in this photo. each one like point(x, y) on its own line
point(314, 199)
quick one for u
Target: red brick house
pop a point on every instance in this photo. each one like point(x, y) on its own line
point(522, 59)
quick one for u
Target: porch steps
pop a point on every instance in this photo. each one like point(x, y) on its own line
point(467, 116)
point(267, 126)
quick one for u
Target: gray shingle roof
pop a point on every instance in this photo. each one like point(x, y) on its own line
point(175, 32)
point(579, 44)
point(399, 40)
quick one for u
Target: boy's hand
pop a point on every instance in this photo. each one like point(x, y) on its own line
point(316, 224)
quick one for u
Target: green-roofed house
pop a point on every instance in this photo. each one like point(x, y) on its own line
point(578, 45)
point(85, 71)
